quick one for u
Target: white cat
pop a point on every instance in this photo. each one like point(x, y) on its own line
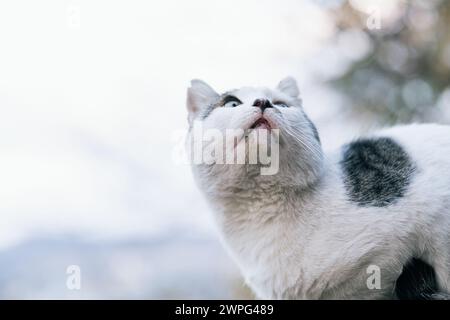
point(318, 227)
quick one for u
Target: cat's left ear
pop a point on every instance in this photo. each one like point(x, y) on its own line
point(289, 86)
point(199, 96)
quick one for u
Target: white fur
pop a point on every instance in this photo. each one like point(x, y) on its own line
point(295, 235)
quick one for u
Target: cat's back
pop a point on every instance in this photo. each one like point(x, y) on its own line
point(417, 138)
point(392, 186)
point(427, 146)
point(422, 147)
point(403, 164)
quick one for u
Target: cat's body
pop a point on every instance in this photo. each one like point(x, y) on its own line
point(321, 226)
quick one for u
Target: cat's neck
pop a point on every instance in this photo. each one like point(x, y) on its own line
point(247, 202)
point(253, 203)
point(264, 227)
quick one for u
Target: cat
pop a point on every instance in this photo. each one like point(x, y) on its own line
point(369, 220)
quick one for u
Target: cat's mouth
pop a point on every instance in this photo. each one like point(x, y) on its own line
point(261, 123)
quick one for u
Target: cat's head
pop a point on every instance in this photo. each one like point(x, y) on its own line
point(261, 108)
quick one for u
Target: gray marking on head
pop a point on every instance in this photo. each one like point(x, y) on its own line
point(313, 127)
point(208, 109)
point(376, 171)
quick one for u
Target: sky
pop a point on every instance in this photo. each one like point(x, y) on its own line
point(92, 94)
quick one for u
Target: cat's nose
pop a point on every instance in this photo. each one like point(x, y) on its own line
point(262, 103)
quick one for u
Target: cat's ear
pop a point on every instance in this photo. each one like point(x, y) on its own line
point(289, 86)
point(199, 96)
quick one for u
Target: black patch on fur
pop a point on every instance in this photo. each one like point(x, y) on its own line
point(377, 171)
point(418, 282)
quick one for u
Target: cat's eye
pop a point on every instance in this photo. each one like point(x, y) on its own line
point(231, 102)
point(280, 104)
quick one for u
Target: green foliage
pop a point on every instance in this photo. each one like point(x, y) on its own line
point(404, 76)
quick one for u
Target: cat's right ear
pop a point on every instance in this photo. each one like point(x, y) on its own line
point(289, 86)
point(199, 96)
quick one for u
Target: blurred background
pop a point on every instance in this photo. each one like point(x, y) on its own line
point(92, 103)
